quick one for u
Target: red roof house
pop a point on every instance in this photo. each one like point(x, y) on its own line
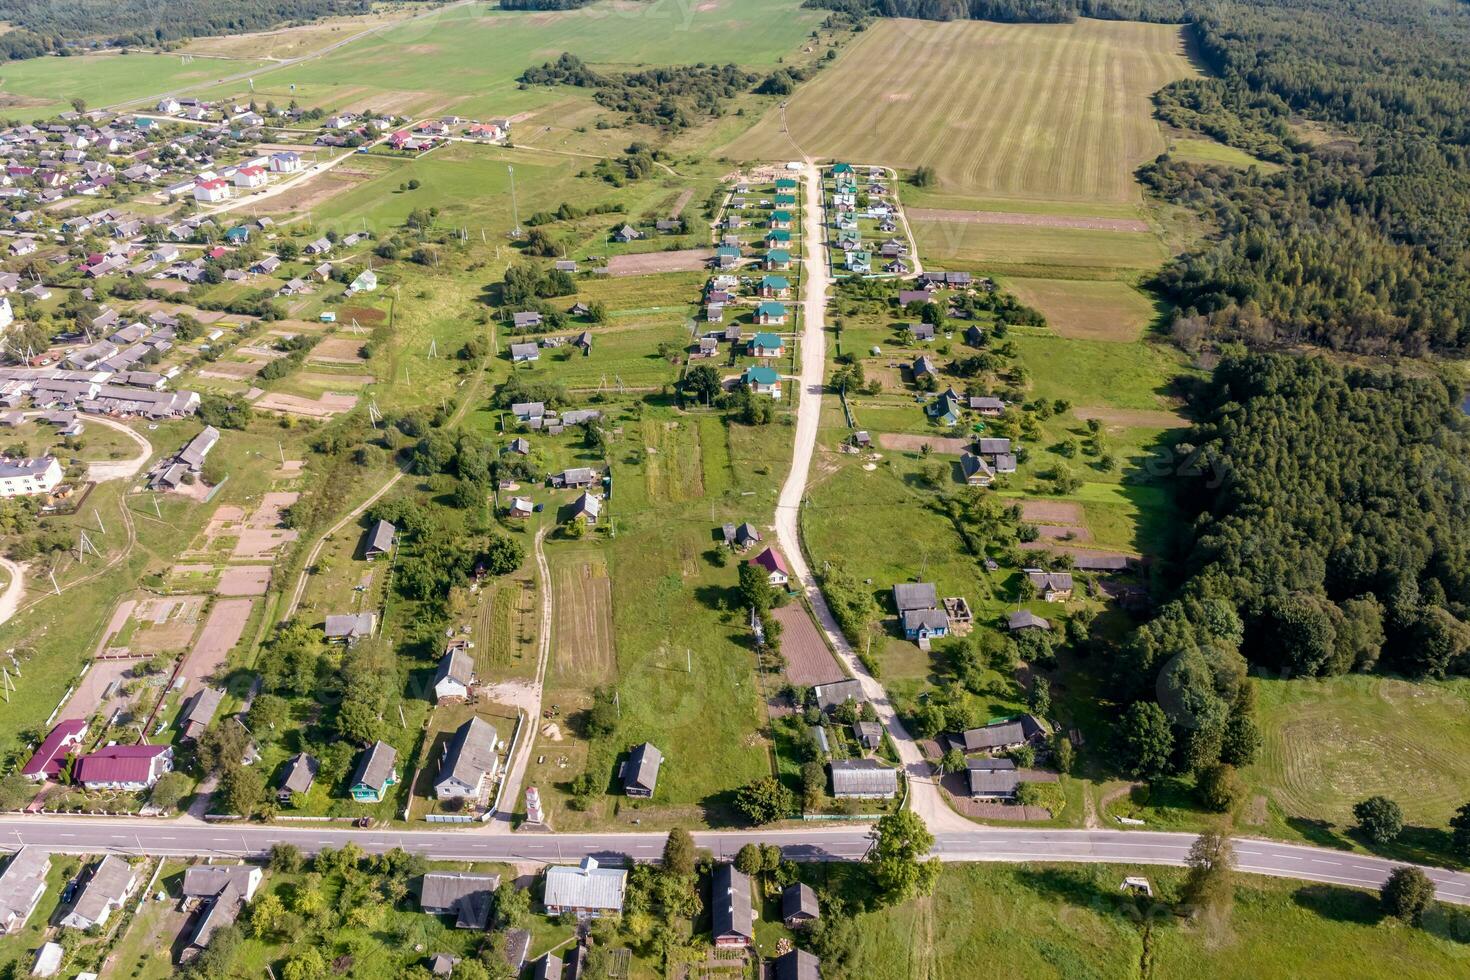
point(130, 767)
point(774, 564)
point(55, 747)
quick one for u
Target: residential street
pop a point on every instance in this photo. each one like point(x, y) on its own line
point(131, 836)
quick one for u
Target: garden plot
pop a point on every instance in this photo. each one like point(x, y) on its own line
point(808, 659)
point(337, 350)
point(908, 443)
point(243, 580)
point(222, 630)
point(324, 406)
point(583, 638)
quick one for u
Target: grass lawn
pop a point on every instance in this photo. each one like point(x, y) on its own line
point(1094, 373)
point(1070, 921)
point(1197, 150)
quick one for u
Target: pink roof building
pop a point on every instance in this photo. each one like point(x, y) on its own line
point(55, 747)
point(124, 766)
point(774, 564)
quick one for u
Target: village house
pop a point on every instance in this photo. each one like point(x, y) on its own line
point(863, 779)
point(112, 882)
point(1025, 619)
point(869, 734)
point(640, 773)
point(774, 565)
point(469, 763)
point(797, 965)
point(376, 773)
point(220, 892)
point(977, 472)
point(778, 259)
point(132, 768)
point(50, 757)
point(455, 675)
point(770, 313)
point(574, 478)
point(348, 628)
point(247, 177)
point(830, 696)
point(26, 477)
point(298, 777)
point(775, 287)
point(525, 352)
point(379, 540)
point(732, 917)
point(1000, 736)
point(1051, 586)
point(742, 536)
point(766, 345)
point(987, 405)
point(799, 905)
point(585, 890)
point(466, 895)
point(286, 162)
point(586, 509)
point(994, 780)
point(22, 884)
point(196, 718)
point(763, 380)
point(212, 191)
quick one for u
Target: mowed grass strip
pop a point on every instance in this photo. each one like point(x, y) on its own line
point(1088, 309)
point(1053, 111)
point(582, 640)
point(1022, 250)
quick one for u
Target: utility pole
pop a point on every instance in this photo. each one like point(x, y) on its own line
point(514, 210)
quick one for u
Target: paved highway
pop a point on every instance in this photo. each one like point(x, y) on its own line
point(129, 836)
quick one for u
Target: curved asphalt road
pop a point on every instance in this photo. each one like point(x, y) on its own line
point(171, 838)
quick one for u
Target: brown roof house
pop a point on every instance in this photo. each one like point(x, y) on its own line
point(799, 905)
point(298, 776)
point(731, 914)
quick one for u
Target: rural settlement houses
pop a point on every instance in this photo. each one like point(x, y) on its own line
point(585, 890)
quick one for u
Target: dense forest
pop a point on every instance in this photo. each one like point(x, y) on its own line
point(671, 98)
point(45, 26)
point(1362, 241)
point(1329, 509)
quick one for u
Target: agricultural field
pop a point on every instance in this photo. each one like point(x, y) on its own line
point(1056, 112)
point(1038, 250)
point(41, 87)
point(466, 59)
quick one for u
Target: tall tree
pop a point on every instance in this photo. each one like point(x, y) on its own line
point(901, 866)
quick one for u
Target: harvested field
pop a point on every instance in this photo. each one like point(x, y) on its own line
point(1059, 112)
point(583, 652)
point(1051, 511)
point(646, 263)
point(337, 350)
point(242, 580)
point(222, 630)
point(907, 443)
point(1022, 218)
point(808, 659)
point(325, 406)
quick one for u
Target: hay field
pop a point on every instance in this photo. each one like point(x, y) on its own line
point(582, 651)
point(1101, 310)
point(1055, 111)
point(41, 87)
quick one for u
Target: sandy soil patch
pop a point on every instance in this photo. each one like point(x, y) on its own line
point(256, 543)
point(683, 260)
point(681, 203)
point(222, 630)
point(243, 580)
point(1032, 220)
point(1051, 511)
point(311, 192)
point(808, 660)
point(906, 442)
point(273, 507)
point(324, 406)
point(91, 694)
point(291, 468)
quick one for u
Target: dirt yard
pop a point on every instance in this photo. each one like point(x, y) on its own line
point(1051, 511)
point(244, 580)
point(808, 660)
point(906, 443)
point(325, 406)
point(583, 651)
point(222, 630)
point(87, 700)
point(684, 260)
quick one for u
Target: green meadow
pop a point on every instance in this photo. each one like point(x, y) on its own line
point(41, 87)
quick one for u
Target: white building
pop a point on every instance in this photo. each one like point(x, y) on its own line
point(286, 162)
point(210, 191)
point(24, 477)
point(250, 177)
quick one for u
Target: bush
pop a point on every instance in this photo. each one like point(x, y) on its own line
point(1379, 818)
point(1407, 894)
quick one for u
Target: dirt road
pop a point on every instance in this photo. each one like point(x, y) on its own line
point(515, 770)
